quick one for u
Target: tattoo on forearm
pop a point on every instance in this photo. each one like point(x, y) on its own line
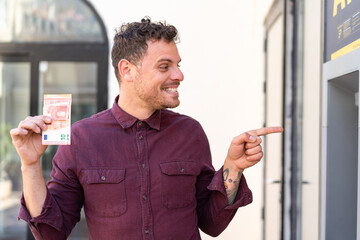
point(231, 185)
point(225, 174)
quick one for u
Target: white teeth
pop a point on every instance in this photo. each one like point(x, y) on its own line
point(171, 89)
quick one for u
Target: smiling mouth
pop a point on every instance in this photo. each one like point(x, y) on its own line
point(170, 90)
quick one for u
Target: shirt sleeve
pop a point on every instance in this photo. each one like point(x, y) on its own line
point(50, 216)
point(60, 211)
point(213, 209)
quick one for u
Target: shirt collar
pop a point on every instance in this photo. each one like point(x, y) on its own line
point(126, 120)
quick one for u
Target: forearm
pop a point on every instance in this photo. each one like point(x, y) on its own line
point(231, 177)
point(34, 188)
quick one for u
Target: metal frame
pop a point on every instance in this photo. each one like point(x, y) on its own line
point(321, 174)
point(277, 9)
point(291, 183)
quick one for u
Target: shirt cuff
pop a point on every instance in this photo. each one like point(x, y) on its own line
point(50, 213)
point(243, 196)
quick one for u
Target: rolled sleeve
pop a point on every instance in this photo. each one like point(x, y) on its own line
point(243, 196)
point(216, 213)
point(50, 215)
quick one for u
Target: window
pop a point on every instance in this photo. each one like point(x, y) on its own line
point(48, 21)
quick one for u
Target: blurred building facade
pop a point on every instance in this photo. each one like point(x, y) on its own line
point(312, 69)
point(45, 47)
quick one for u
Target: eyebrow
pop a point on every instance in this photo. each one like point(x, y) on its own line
point(166, 60)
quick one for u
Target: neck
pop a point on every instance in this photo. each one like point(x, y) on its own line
point(132, 108)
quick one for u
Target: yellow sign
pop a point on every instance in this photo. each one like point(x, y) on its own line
point(342, 28)
point(336, 4)
point(348, 48)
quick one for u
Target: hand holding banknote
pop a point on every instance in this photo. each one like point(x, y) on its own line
point(27, 138)
point(33, 134)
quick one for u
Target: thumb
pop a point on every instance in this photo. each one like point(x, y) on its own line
point(243, 138)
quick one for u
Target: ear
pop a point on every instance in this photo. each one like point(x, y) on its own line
point(124, 67)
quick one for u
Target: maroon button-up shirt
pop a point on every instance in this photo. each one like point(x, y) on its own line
point(149, 179)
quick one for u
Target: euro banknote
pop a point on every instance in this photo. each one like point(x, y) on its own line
point(58, 107)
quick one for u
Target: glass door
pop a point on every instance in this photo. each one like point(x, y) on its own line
point(77, 78)
point(14, 107)
point(80, 80)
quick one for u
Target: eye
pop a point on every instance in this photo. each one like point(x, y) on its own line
point(164, 67)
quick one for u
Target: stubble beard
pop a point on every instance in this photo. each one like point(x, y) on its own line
point(155, 100)
point(171, 105)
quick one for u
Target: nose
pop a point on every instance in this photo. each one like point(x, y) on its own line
point(178, 75)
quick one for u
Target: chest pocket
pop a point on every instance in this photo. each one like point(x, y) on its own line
point(104, 192)
point(178, 182)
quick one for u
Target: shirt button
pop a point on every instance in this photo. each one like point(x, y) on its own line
point(143, 165)
point(182, 170)
point(141, 137)
point(144, 196)
point(103, 178)
point(147, 231)
point(140, 123)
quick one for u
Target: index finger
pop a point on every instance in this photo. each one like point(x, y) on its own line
point(266, 130)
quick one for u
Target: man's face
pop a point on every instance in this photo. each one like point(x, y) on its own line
point(158, 76)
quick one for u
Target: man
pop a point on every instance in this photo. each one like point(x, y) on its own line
point(140, 171)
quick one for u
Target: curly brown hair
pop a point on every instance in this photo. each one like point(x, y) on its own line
point(130, 41)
